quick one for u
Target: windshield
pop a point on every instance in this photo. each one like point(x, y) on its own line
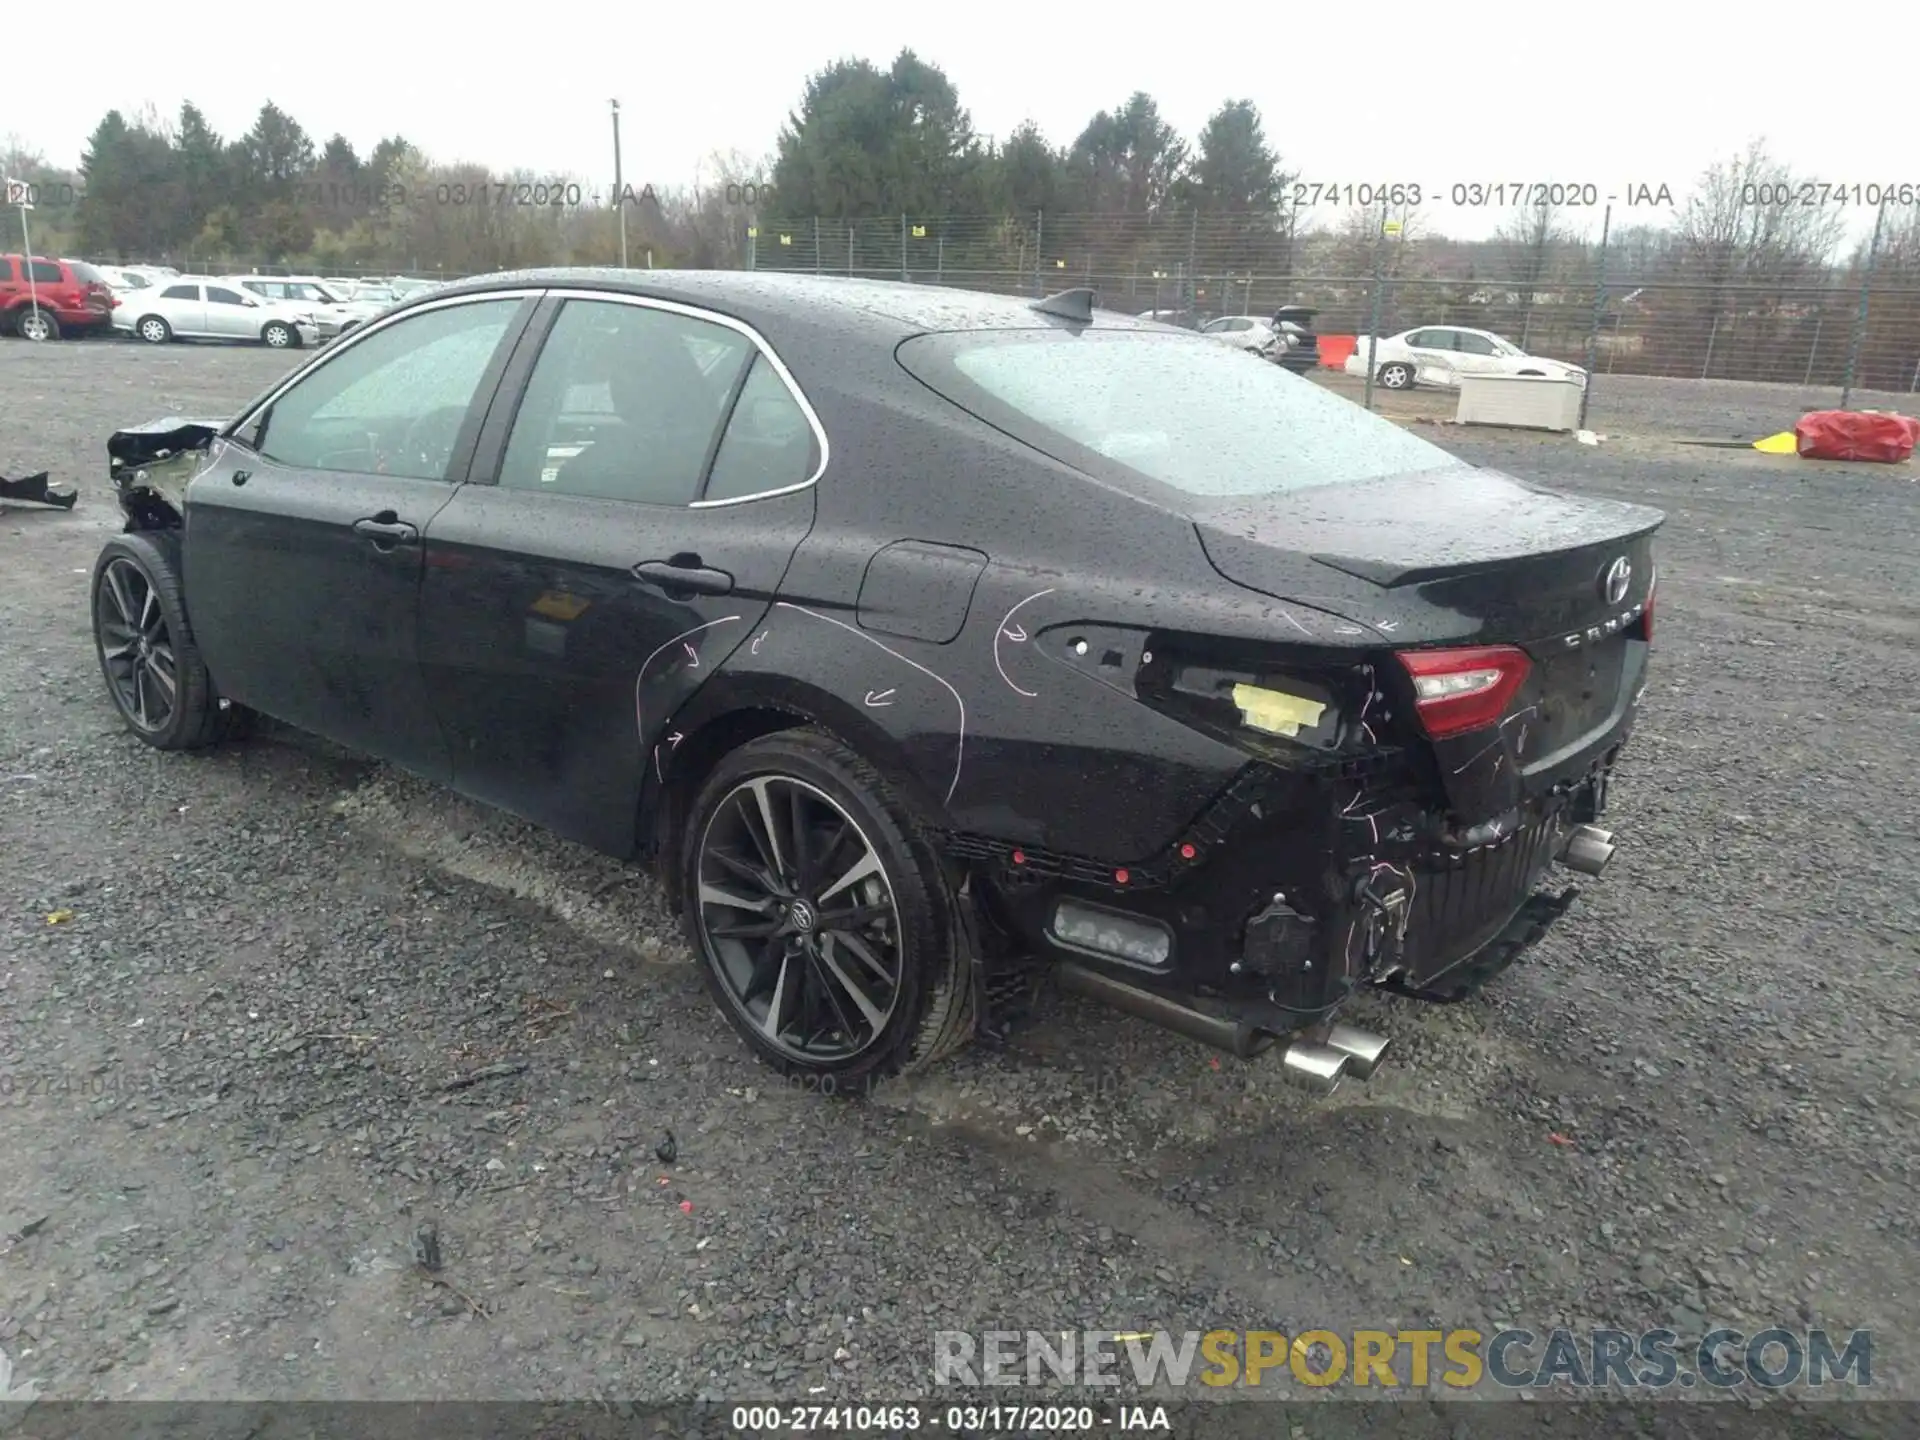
point(1172, 409)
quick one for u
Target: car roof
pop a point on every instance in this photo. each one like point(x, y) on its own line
point(849, 303)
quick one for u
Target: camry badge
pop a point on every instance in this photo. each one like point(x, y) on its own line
point(1613, 584)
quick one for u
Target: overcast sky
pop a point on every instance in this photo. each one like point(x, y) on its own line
point(1621, 95)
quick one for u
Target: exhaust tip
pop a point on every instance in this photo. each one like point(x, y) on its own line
point(1364, 1049)
point(1588, 850)
point(1317, 1067)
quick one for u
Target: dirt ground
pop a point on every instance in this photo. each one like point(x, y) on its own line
point(297, 1004)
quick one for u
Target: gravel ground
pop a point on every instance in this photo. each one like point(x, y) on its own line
point(303, 1005)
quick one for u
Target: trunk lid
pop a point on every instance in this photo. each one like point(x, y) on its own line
point(1457, 556)
point(1468, 557)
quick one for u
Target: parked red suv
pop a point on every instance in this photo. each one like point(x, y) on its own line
point(72, 298)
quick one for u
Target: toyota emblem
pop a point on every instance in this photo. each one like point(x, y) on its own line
point(1613, 584)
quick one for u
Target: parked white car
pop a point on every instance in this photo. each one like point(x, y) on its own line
point(1441, 354)
point(334, 311)
point(197, 307)
point(1241, 331)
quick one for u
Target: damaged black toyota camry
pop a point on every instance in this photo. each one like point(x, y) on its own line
point(931, 645)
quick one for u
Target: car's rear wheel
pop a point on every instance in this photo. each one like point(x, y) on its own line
point(152, 667)
point(154, 330)
point(1396, 376)
point(279, 336)
point(820, 915)
point(37, 324)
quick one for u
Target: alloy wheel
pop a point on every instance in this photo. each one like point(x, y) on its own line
point(798, 919)
point(35, 325)
point(138, 651)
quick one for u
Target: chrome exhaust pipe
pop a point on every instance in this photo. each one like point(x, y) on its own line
point(1588, 849)
point(1235, 1037)
point(1318, 1067)
point(1364, 1049)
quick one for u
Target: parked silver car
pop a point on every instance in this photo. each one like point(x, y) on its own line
point(201, 307)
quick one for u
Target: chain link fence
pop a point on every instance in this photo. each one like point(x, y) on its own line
point(1574, 301)
point(1622, 309)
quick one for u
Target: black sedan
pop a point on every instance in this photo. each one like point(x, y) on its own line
point(929, 644)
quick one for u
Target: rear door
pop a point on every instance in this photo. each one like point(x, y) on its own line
point(639, 490)
point(184, 308)
point(303, 533)
point(1433, 356)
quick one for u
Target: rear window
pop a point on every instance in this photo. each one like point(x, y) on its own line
point(1182, 412)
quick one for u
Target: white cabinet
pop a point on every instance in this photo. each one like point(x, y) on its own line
point(1537, 402)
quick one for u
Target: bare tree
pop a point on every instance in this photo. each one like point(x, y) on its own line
point(1530, 243)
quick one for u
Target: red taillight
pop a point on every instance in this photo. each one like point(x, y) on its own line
point(1460, 690)
point(1646, 616)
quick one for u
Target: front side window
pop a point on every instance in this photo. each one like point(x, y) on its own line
point(181, 292)
point(1471, 344)
point(1173, 411)
point(219, 295)
point(394, 402)
point(624, 404)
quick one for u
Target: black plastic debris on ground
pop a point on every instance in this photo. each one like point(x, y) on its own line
point(39, 490)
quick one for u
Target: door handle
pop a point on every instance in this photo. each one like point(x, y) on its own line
point(682, 576)
point(386, 532)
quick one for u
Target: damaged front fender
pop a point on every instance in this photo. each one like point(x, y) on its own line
point(150, 466)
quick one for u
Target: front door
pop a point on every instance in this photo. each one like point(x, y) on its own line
point(574, 601)
point(232, 314)
point(303, 534)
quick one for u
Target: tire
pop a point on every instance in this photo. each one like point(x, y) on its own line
point(278, 335)
point(137, 650)
point(830, 981)
point(1396, 375)
point(153, 330)
point(37, 324)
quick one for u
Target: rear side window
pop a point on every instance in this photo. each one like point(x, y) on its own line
point(6, 268)
point(1175, 411)
point(624, 403)
point(768, 445)
point(45, 272)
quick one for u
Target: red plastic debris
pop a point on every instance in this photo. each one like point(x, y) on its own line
point(1856, 435)
point(1120, 877)
point(1557, 1138)
point(1214, 1061)
point(1019, 857)
point(1187, 852)
point(686, 1207)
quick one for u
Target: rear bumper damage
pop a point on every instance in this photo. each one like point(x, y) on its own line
point(1297, 892)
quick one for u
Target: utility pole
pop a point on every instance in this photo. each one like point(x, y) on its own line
point(619, 186)
point(1860, 319)
point(1599, 314)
